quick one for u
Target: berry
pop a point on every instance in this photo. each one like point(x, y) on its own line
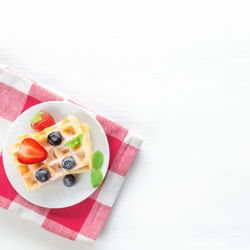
point(68, 163)
point(31, 152)
point(69, 180)
point(54, 138)
point(42, 175)
point(42, 120)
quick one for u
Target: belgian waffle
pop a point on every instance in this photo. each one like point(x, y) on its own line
point(69, 128)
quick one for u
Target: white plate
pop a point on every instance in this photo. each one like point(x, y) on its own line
point(55, 194)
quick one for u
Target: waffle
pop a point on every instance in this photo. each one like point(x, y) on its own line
point(69, 128)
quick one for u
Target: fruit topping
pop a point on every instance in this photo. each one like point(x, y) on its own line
point(42, 120)
point(31, 152)
point(68, 163)
point(42, 175)
point(69, 180)
point(55, 138)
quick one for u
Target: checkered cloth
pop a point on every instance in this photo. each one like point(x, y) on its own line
point(85, 220)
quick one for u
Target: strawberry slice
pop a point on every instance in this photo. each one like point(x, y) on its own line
point(31, 152)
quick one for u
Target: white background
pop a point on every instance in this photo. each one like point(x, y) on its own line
point(177, 73)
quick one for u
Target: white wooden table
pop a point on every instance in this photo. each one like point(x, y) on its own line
point(178, 74)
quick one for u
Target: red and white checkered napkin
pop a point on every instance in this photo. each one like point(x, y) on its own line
point(85, 220)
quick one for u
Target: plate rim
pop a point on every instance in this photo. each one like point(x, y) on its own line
point(54, 102)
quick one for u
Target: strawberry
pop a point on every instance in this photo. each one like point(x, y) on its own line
point(42, 120)
point(31, 152)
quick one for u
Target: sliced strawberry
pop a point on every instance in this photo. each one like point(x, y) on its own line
point(42, 120)
point(31, 152)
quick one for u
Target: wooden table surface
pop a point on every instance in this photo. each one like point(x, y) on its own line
point(177, 73)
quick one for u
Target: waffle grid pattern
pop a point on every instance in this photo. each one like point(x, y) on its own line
point(68, 128)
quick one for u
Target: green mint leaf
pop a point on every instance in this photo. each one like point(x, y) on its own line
point(75, 141)
point(97, 159)
point(37, 117)
point(70, 144)
point(79, 138)
point(96, 178)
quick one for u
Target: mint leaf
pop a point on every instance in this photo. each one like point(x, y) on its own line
point(70, 144)
point(75, 141)
point(97, 159)
point(96, 178)
point(96, 174)
point(79, 138)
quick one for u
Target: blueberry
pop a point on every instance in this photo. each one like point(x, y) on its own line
point(68, 163)
point(42, 174)
point(54, 138)
point(69, 180)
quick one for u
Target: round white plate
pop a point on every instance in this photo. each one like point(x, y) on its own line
point(55, 194)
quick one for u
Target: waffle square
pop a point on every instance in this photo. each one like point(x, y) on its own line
point(68, 128)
